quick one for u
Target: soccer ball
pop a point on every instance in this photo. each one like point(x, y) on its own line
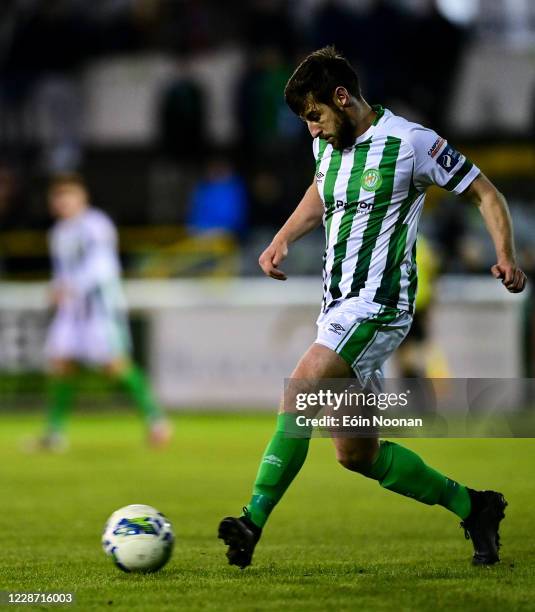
point(138, 538)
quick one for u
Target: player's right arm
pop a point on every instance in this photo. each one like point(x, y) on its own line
point(305, 218)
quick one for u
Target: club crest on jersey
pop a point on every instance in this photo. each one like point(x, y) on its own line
point(371, 179)
point(448, 158)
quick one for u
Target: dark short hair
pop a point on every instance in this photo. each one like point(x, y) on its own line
point(317, 76)
point(66, 179)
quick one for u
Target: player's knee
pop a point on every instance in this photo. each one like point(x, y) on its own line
point(62, 368)
point(358, 458)
point(116, 368)
point(321, 362)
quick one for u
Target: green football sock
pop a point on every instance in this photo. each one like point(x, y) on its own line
point(280, 464)
point(403, 471)
point(60, 396)
point(137, 385)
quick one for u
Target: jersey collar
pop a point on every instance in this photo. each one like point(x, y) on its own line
point(380, 112)
point(368, 133)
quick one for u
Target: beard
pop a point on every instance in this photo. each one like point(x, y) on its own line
point(344, 135)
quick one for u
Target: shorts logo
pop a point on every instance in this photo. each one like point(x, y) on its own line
point(336, 328)
point(448, 158)
point(371, 180)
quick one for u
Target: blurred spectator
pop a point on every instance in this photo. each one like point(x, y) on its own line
point(267, 23)
point(418, 356)
point(449, 227)
point(11, 213)
point(193, 27)
point(49, 44)
point(337, 23)
point(219, 201)
point(384, 52)
point(182, 120)
point(10, 208)
point(394, 50)
point(267, 197)
point(436, 46)
point(263, 116)
point(124, 25)
point(225, 66)
point(375, 38)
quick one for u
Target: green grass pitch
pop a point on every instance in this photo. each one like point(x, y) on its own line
point(336, 542)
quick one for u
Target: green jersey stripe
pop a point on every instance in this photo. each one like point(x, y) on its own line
point(353, 190)
point(328, 190)
point(383, 195)
point(322, 146)
point(413, 280)
point(330, 181)
point(459, 175)
point(388, 291)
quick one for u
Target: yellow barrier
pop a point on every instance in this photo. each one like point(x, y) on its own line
point(154, 252)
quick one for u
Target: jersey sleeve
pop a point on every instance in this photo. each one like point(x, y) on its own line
point(436, 162)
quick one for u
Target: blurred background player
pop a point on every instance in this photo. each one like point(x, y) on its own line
point(418, 356)
point(90, 324)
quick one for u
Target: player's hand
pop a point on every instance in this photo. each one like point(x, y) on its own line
point(271, 258)
point(59, 294)
point(513, 279)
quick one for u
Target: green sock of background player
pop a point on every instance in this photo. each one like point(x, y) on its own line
point(62, 388)
point(135, 381)
point(396, 468)
point(60, 396)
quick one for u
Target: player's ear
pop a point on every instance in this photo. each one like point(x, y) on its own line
point(341, 97)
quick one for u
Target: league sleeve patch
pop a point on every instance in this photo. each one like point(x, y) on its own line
point(449, 158)
point(437, 145)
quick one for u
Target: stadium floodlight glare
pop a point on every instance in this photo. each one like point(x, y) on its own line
point(462, 12)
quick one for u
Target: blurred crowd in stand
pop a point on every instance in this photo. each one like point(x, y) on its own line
point(226, 154)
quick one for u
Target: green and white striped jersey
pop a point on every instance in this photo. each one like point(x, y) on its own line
point(373, 195)
point(85, 260)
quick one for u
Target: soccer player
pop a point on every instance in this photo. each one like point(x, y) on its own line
point(90, 323)
point(372, 172)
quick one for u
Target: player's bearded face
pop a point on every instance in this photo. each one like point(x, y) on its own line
point(342, 136)
point(330, 123)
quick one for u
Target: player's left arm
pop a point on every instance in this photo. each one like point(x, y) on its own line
point(436, 162)
point(495, 212)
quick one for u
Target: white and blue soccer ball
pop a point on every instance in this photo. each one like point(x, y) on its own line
point(138, 538)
